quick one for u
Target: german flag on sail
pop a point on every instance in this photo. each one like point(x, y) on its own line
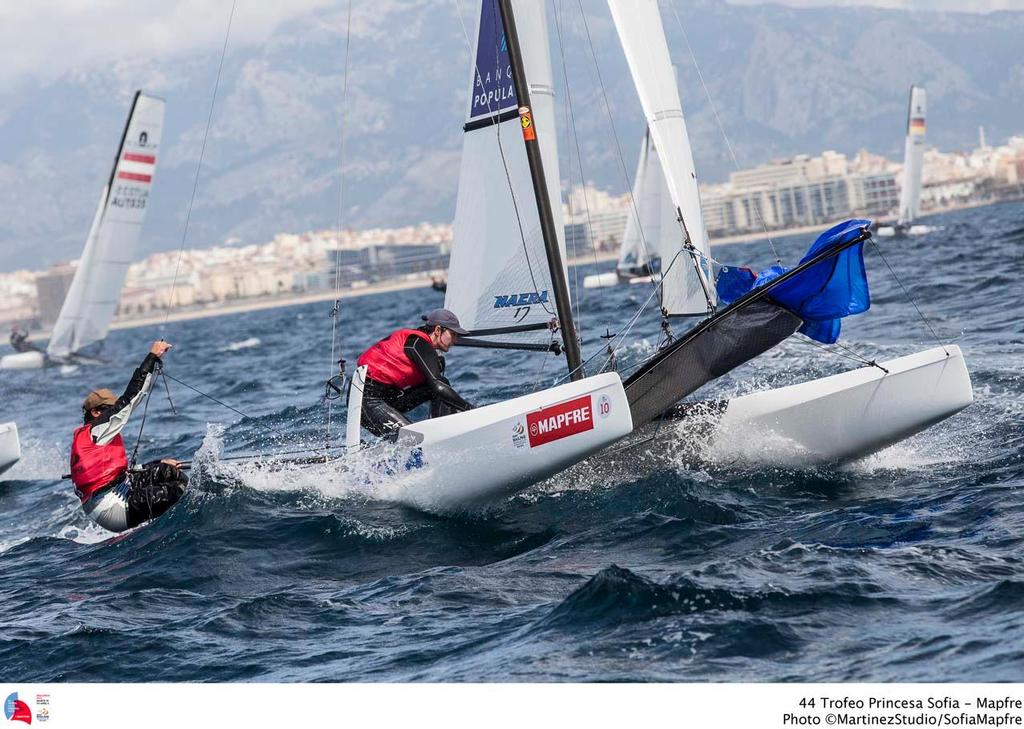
point(917, 126)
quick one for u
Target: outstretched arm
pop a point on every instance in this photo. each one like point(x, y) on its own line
point(113, 420)
point(419, 351)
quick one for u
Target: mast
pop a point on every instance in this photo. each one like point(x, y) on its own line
point(563, 306)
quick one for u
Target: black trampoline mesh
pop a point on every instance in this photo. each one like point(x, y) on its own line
point(706, 352)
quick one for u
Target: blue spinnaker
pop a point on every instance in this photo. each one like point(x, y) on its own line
point(824, 293)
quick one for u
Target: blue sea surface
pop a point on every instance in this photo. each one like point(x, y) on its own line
point(661, 563)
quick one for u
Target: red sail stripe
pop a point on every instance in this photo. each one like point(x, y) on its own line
point(133, 157)
point(134, 176)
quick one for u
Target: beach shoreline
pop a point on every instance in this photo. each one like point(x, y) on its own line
point(259, 304)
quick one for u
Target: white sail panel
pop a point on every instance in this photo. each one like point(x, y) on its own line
point(643, 40)
point(498, 275)
point(635, 249)
point(913, 157)
point(110, 248)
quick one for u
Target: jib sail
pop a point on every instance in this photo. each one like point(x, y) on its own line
point(498, 276)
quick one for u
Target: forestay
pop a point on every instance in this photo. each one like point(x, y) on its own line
point(913, 157)
point(498, 274)
point(643, 40)
point(110, 248)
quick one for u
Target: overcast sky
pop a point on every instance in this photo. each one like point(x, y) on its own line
point(45, 39)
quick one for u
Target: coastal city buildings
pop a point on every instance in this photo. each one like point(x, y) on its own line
point(790, 193)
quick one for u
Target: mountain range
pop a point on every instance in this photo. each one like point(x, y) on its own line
point(290, 149)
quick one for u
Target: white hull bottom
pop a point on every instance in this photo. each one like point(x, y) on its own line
point(10, 446)
point(465, 461)
point(610, 278)
point(850, 415)
point(23, 361)
point(888, 231)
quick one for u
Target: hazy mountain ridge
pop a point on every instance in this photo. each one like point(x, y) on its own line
point(784, 81)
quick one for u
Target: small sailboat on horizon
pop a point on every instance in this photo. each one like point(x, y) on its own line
point(913, 170)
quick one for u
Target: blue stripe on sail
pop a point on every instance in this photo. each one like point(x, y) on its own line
point(493, 89)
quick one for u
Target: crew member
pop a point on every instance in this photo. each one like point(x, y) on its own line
point(115, 497)
point(404, 370)
point(19, 340)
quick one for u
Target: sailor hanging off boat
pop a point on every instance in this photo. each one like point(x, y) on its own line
point(19, 340)
point(404, 371)
point(114, 496)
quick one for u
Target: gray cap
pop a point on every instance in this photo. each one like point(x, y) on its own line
point(444, 318)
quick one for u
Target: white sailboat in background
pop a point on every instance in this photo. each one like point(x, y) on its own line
point(833, 419)
point(91, 302)
point(913, 168)
point(652, 217)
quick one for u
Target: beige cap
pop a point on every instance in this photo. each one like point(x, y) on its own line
point(98, 398)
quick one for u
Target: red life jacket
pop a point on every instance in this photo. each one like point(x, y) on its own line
point(387, 363)
point(94, 466)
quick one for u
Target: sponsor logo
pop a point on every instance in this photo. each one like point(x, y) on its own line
point(525, 299)
point(16, 710)
point(526, 120)
point(519, 435)
point(560, 421)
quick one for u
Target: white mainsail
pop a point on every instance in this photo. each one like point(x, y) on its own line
point(643, 40)
point(913, 158)
point(498, 275)
point(110, 248)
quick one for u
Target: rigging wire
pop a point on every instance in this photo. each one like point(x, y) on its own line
point(906, 293)
point(221, 403)
point(571, 123)
point(611, 348)
point(199, 165)
point(341, 202)
point(618, 144)
point(721, 126)
point(852, 354)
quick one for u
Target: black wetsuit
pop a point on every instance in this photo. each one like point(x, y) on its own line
point(384, 406)
point(19, 340)
point(144, 492)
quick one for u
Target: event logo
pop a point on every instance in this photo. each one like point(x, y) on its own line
point(16, 710)
point(519, 435)
point(560, 421)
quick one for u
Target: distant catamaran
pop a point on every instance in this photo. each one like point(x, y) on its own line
point(89, 307)
point(913, 167)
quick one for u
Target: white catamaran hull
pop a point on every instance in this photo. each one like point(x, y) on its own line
point(471, 459)
point(888, 231)
point(853, 414)
point(23, 361)
point(10, 446)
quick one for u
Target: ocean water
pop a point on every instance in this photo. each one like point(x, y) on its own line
point(666, 563)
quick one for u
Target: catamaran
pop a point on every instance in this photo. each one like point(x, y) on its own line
point(913, 168)
point(507, 278)
point(91, 301)
point(833, 419)
point(507, 227)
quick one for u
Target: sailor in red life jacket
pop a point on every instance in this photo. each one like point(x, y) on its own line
point(113, 497)
point(404, 370)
